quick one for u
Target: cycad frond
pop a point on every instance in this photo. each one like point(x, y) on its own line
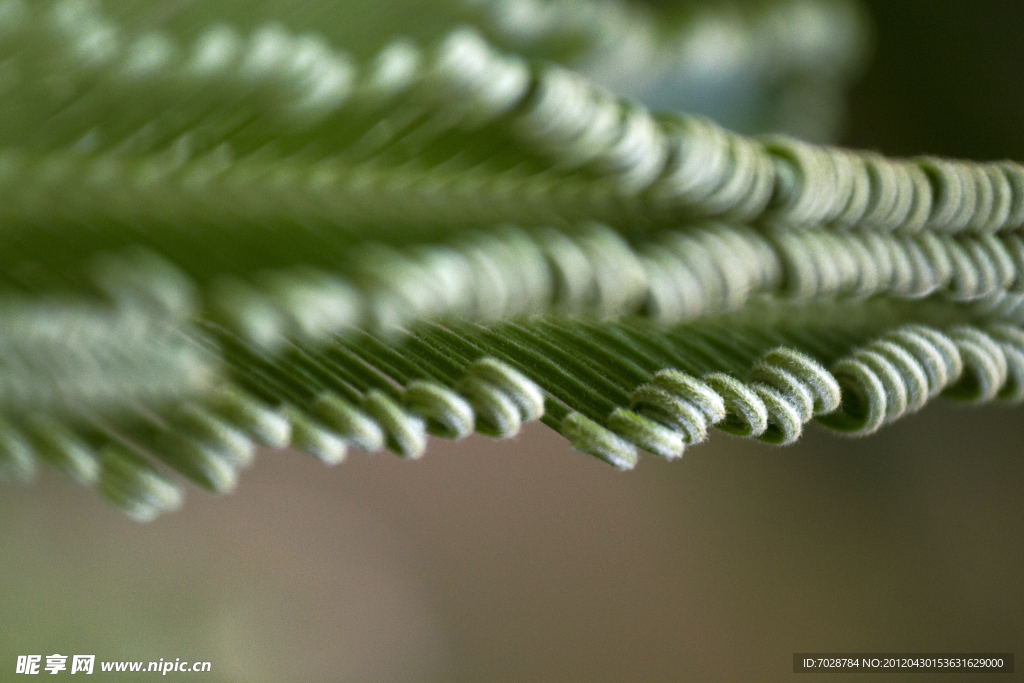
point(235, 234)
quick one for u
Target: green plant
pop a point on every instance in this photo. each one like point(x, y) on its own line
point(218, 235)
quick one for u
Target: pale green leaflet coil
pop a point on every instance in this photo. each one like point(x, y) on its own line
point(232, 224)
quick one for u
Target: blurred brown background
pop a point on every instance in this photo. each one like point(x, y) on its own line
point(527, 561)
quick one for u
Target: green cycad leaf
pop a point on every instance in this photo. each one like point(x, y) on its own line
point(220, 230)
